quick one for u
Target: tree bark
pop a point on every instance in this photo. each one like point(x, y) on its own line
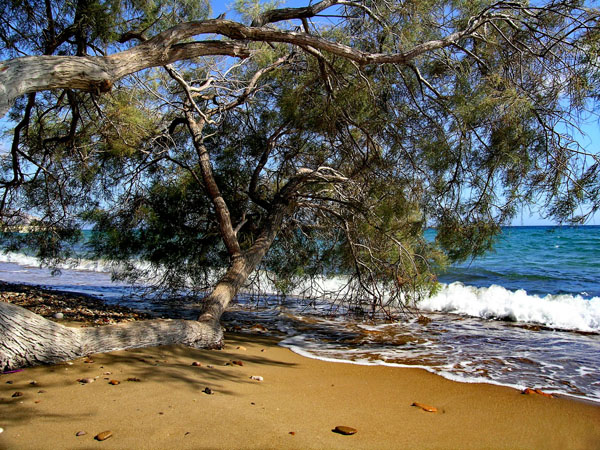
point(20, 76)
point(28, 339)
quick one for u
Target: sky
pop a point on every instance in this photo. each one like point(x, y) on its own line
point(591, 142)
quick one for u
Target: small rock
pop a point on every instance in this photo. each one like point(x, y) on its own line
point(37, 401)
point(259, 327)
point(257, 378)
point(529, 391)
point(9, 382)
point(103, 436)
point(209, 366)
point(241, 347)
point(133, 379)
point(196, 364)
point(293, 433)
point(86, 380)
point(1, 430)
point(425, 407)
point(208, 391)
point(33, 383)
point(340, 429)
point(107, 373)
point(114, 382)
point(238, 363)
point(18, 394)
point(80, 433)
point(59, 316)
point(42, 391)
point(89, 361)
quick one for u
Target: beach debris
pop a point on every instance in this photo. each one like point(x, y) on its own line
point(423, 320)
point(425, 407)
point(529, 391)
point(81, 433)
point(103, 436)
point(133, 379)
point(86, 380)
point(341, 429)
point(18, 394)
point(114, 382)
point(237, 363)
point(1, 430)
point(293, 433)
point(256, 378)
point(208, 391)
point(258, 327)
point(59, 315)
point(241, 347)
point(197, 364)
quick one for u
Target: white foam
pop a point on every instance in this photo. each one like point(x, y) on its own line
point(495, 302)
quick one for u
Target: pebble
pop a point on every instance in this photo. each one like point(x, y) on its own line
point(1, 430)
point(18, 394)
point(536, 391)
point(9, 382)
point(425, 407)
point(238, 363)
point(59, 315)
point(133, 379)
point(208, 391)
point(86, 380)
point(257, 378)
point(80, 433)
point(114, 382)
point(42, 391)
point(241, 347)
point(103, 436)
point(259, 327)
point(196, 364)
point(340, 429)
point(293, 433)
point(33, 383)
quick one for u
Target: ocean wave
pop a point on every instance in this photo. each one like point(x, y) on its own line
point(566, 312)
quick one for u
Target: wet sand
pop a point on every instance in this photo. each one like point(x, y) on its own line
point(297, 405)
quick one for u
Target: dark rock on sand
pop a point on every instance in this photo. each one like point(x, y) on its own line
point(341, 429)
point(18, 394)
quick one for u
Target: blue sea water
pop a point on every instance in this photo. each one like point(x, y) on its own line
point(539, 259)
point(525, 315)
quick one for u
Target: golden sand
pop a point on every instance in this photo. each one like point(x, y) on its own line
point(296, 405)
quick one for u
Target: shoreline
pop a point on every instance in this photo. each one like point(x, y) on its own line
point(159, 401)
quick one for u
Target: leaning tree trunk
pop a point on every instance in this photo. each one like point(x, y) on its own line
point(28, 339)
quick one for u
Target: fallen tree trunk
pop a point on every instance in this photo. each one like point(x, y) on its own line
point(28, 339)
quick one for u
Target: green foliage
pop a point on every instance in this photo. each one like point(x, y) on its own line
point(362, 158)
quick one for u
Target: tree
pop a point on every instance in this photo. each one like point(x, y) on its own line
point(323, 150)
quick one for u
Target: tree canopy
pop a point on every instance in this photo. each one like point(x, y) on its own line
point(309, 142)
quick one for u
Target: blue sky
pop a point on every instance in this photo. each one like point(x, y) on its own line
point(591, 140)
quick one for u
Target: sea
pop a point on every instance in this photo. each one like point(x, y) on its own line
point(525, 315)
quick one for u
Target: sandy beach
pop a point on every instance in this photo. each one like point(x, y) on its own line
point(156, 398)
